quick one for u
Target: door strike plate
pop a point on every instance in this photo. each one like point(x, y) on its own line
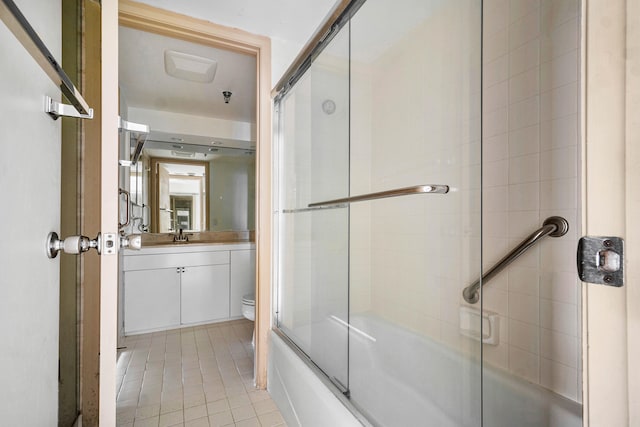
point(601, 260)
point(109, 241)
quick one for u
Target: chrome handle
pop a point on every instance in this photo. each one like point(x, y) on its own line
point(71, 244)
point(131, 241)
point(139, 133)
point(406, 191)
point(127, 197)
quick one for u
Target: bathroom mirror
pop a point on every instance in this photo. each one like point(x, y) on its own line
point(177, 185)
point(199, 102)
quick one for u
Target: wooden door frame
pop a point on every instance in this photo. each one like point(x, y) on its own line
point(611, 206)
point(632, 201)
point(69, 401)
point(170, 24)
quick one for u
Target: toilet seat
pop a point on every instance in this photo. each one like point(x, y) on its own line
point(249, 306)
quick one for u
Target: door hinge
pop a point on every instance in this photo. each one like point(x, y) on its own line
point(601, 260)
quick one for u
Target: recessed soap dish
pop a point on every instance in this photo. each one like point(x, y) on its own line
point(471, 327)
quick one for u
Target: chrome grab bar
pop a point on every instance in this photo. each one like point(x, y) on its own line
point(416, 189)
point(554, 226)
point(122, 191)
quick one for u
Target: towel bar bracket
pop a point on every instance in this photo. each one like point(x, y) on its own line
point(17, 23)
point(57, 109)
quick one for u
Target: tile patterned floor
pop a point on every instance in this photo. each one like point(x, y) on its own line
point(192, 377)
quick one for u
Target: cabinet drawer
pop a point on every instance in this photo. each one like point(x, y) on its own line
point(188, 259)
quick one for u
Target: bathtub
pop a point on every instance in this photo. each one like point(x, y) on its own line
point(424, 384)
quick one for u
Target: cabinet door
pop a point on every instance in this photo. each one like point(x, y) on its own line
point(151, 299)
point(205, 293)
point(243, 278)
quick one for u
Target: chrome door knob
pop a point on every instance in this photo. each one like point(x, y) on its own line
point(131, 241)
point(71, 244)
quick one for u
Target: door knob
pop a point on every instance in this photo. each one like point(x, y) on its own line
point(131, 241)
point(71, 244)
point(79, 244)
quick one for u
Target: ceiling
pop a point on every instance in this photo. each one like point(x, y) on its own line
point(291, 20)
point(145, 84)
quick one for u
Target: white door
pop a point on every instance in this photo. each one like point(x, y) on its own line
point(30, 193)
point(30, 188)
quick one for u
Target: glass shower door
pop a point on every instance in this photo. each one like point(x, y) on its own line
point(371, 290)
point(415, 120)
point(313, 248)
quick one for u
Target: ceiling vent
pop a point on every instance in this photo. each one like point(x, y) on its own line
point(189, 67)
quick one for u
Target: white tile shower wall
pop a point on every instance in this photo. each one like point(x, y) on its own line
point(360, 262)
point(530, 150)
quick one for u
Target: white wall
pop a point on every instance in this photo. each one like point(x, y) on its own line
point(30, 190)
point(531, 158)
point(232, 190)
point(188, 124)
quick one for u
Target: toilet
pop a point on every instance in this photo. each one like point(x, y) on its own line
point(249, 306)
point(249, 311)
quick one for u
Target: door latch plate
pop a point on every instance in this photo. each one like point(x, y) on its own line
point(601, 260)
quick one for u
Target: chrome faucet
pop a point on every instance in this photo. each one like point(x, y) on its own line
point(180, 237)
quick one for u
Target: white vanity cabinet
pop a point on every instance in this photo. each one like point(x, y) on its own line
point(172, 286)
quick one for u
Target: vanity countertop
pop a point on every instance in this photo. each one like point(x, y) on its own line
point(187, 247)
point(201, 238)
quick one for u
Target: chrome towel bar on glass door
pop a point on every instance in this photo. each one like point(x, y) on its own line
point(406, 191)
point(24, 32)
point(554, 226)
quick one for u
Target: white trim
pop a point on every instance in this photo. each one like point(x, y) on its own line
point(632, 200)
point(604, 329)
point(109, 212)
